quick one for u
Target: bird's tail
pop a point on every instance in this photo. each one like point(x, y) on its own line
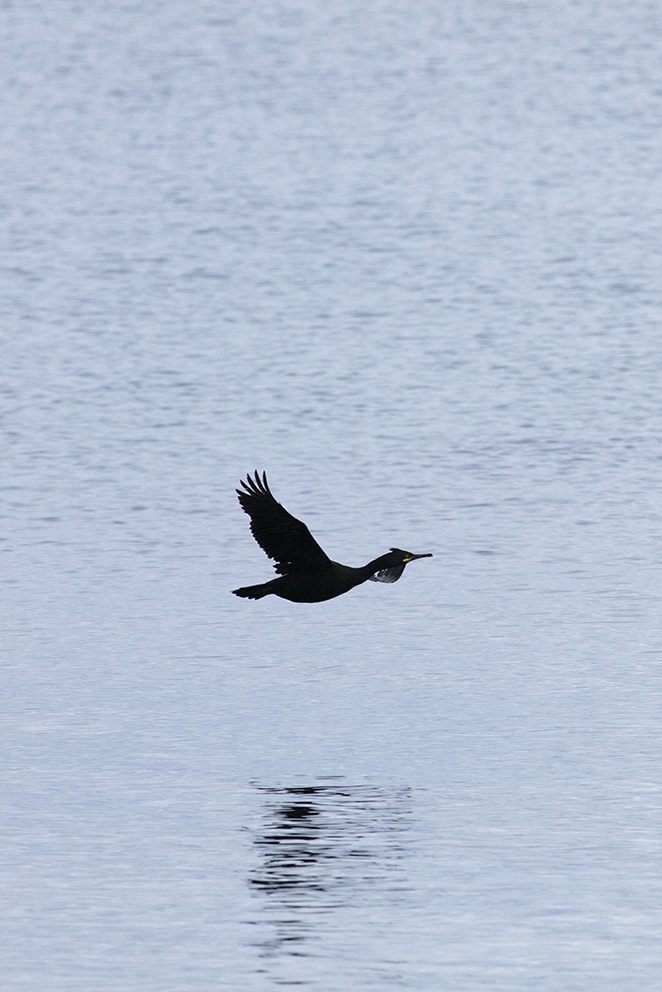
point(254, 592)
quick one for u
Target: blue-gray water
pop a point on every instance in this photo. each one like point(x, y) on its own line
point(407, 259)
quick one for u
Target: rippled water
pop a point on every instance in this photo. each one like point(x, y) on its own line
point(410, 266)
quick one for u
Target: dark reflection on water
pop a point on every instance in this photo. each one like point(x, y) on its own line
point(323, 847)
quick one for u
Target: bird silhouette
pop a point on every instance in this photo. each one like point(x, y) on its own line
point(306, 574)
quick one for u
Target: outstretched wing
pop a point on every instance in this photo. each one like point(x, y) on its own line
point(280, 535)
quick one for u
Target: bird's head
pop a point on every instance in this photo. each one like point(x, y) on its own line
point(404, 557)
point(392, 565)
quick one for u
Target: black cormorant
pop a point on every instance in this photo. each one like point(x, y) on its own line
point(305, 573)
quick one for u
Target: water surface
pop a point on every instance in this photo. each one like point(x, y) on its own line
point(410, 266)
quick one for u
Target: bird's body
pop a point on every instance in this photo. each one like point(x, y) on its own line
point(307, 586)
point(306, 573)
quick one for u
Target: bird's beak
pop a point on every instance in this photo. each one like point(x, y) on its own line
point(414, 557)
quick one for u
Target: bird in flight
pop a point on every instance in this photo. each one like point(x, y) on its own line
point(305, 572)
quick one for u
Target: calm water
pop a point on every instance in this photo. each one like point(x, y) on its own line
point(408, 262)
